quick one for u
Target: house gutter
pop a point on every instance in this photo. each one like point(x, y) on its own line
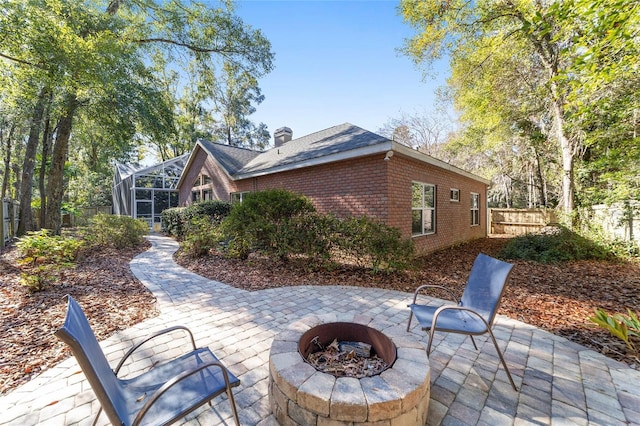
point(331, 158)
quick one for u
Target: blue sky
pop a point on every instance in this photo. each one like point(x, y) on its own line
point(337, 61)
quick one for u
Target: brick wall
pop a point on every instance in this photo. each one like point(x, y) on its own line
point(345, 188)
point(453, 219)
point(368, 186)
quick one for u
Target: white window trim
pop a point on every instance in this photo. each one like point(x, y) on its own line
point(457, 191)
point(475, 194)
point(240, 193)
point(423, 209)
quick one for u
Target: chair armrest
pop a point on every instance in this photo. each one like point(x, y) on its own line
point(428, 286)
point(175, 380)
point(151, 337)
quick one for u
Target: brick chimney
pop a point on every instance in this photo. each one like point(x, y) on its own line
point(282, 136)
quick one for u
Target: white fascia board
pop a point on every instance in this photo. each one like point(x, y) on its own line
point(325, 159)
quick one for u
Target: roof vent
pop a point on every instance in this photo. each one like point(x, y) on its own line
point(282, 136)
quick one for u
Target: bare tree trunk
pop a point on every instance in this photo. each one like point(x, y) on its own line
point(542, 193)
point(46, 145)
point(25, 222)
point(568, 159)
point(56, 184)
point(7, 160)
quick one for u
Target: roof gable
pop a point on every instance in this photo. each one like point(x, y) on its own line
point(231, 158)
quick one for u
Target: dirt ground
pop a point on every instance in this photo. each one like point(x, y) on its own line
point(557, 298)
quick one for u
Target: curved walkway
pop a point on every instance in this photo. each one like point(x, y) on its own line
point(560, 382)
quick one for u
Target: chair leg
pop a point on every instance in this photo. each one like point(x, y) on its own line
point(95, 421)
point(410, 317)
point(232, 401)
point(431, 333)
point(474, 342)
point(504, 364)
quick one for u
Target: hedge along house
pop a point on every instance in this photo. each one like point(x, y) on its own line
point(348, 171)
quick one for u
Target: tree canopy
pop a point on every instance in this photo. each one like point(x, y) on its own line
point(83, 80)
point(545, 90)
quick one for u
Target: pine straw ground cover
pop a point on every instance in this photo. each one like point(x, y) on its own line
point(557, 298)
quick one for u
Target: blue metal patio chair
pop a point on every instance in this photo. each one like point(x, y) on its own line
point(474, 313)
point(160, 396)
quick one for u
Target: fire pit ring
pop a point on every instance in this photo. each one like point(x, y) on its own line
point(299, 394)
point(322, 335)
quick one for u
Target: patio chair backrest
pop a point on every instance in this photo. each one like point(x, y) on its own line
point(485, 286)
point(77, 333)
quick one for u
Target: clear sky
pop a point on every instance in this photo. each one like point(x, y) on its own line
point(335, 62)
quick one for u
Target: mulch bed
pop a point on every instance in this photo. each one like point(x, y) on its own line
point(111, 297)
point(557, 298)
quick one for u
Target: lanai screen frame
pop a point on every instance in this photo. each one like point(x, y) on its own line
point(143, 193)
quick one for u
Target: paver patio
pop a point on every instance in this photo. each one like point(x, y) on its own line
point(560, 382)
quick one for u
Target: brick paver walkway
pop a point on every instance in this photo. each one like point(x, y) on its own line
point(559, 382)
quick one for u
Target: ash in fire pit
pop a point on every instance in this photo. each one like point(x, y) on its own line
point(350, 359)
point(347, 350)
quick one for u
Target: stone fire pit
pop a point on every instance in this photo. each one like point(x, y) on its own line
point(299, 394)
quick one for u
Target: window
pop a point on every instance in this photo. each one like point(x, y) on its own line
point(206, 179)
point(195, 196)
point(454, 195)
point(475, 209)
point(423, 209)
point(237, 197)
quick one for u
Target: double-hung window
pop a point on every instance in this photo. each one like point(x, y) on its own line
point(237, 197)
point(423, 208)
point(475, 209)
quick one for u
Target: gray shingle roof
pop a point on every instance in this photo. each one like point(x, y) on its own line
point(334, 140)
point(333, 144)
point(240, 162)
point(230, 157)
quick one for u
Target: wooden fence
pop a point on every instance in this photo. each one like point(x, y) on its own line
point(9, 219)
point(83, 216)
point(519, 221)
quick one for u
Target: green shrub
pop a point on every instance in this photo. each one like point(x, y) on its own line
point(200, 237)
point(263, 222)
point(38, 278)
point(42, 254)
point(175, 221)
point(374, 245)
point(171, 220)
point(312, 235)
point(42, 247)
point(116, 231)
point(557, 244)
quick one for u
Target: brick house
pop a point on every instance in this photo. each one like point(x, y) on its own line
point(349, 171)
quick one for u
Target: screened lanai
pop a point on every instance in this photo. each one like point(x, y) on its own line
point(144, 192)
